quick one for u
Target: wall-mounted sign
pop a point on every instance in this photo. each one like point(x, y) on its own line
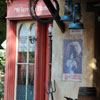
point(72, 60)
point(20, 8)
point(76, 31)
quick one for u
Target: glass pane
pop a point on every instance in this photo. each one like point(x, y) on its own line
point(23, 38)
point(22, 57)
point(31, 57)
point(32, 38)
point(32, 46)
point(32, 43)
point(21, 82)
point(30, 87)
point(32, 28)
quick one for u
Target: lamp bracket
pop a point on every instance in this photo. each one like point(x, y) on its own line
point(53, 11)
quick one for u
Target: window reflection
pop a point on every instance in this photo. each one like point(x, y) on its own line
point(21, 83)
point(32, 57)
point(22, 57)
point(23, 38)
point(21, 74)
point(31, 75)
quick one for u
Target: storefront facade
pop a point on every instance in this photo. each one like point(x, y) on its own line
point(75, 54)
point(27, 52)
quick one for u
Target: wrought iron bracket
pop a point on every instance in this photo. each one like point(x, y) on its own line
point(52, 10)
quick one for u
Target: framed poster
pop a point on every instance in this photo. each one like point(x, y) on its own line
point(72, 60)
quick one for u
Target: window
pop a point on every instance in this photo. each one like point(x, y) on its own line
point(25, 61)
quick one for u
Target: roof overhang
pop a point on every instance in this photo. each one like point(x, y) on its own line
point(93, 6)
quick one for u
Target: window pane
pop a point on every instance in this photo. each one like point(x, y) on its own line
point(23, 38)
point(32, 43)
point(21, 82)
point(22, 57)
point(30, 87)
point(32, 29)
point(31, 57)
point(32, 38)
point(32, 46)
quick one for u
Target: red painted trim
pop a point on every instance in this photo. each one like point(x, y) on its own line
point(20, 9)
point(25, 17)
point(10, 61)
point(40, 67)
point(47, 64)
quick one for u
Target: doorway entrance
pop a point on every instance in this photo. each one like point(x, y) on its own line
point(33, 60)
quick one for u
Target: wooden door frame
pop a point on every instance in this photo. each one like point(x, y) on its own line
point(41, 61)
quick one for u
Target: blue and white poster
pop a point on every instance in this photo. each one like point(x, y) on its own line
point(72, 60)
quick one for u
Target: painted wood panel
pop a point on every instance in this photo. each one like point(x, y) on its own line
point(20, 9)
point(10, 61)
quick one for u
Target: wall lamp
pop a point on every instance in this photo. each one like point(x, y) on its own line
point(72, 14)
point(76, 18)
point(67, 11)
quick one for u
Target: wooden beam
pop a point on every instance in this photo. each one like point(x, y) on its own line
point(93, 6)
point(52, 10)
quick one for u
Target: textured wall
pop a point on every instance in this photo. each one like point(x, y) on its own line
point(65, 88)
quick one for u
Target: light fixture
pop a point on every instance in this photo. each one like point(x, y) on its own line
point(32, 39)
point(50, 28)
point(67, 11)
point(76, 18)
point(50, 43)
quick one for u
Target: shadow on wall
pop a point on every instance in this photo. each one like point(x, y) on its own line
point(96, 80)
point(94, 64)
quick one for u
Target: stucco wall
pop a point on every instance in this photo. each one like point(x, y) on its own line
point(66, 88)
